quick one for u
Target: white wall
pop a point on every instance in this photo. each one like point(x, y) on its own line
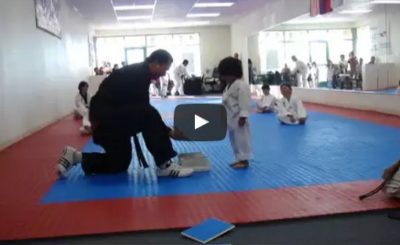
point(254, 51)
point(215, 41)
point(39, 73)
point(385, 18)
point(274, 12)
point(384, 103)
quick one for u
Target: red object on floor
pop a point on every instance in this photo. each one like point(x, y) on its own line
point(27, 171)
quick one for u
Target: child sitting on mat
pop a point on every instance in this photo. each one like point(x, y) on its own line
point(236, 99)
point(81, 111)
point(290, 110)
point(267, 102)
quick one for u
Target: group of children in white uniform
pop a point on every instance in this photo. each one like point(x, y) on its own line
point(289, 109)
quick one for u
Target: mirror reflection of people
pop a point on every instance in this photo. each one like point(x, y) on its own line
point(96, 71)
point(286, 74)
point(236, 99)
point(180, 74)
point(301, 72)
point(121, 109)
point(116, 67)
point(251, 71)
point(343, 64)
point(332, 74)
point(372, 60)
point(353, 63)
point(359, 72)
point(315, 75)
point(290, 109)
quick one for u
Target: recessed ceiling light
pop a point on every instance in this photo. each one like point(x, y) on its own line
point(355, 11)
point(157, 25)
point(385, 2)
point(213, 5)
point(137, 17)
point(133, 7)
point(200, 15)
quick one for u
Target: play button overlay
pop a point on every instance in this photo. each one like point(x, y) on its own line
point(201, 122)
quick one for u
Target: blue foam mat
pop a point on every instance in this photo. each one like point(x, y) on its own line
point(328, 149)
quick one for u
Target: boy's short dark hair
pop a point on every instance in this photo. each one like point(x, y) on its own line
point(286, 85)
point(266, 86)
point(231, 67)
point(185, 62)
point(83, 84)
point(160, 56)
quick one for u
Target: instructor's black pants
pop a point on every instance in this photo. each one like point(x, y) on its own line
point(114, 134)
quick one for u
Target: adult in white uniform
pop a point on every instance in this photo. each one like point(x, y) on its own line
point(290, 109)
point(180, 74)
point(82, 102)
point(164, 82)
point(236, 99)
point(315, 75)
point(301, 72)
point(267, 102)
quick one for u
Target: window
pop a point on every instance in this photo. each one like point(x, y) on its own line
point(110, 49)
point(181, 46)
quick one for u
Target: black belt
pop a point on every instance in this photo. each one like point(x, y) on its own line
point(139, 153)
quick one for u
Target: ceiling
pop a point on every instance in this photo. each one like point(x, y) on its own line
point(349, 13)
point(166, 13)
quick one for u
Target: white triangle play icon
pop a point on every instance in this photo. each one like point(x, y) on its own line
point(199, 122)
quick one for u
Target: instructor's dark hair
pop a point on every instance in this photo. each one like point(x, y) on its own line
point(230, 67)
point(160, 56)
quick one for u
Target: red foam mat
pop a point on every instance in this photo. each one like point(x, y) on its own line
point(27, 172)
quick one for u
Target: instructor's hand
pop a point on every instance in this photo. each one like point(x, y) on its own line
point(176, 134)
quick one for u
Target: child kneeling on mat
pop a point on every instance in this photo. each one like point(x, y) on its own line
point(236, 99)
point(290, 109)
point(267, 102)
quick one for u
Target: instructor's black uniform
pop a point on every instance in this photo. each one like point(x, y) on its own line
point(120, 109)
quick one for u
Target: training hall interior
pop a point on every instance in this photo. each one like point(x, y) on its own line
point(306, 95)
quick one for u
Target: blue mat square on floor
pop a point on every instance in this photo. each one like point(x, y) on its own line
point(328, 149)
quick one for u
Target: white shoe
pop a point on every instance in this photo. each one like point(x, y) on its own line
point(69, 157)
point(175, 171)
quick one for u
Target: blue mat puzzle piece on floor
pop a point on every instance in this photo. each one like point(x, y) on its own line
point(328, 149)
